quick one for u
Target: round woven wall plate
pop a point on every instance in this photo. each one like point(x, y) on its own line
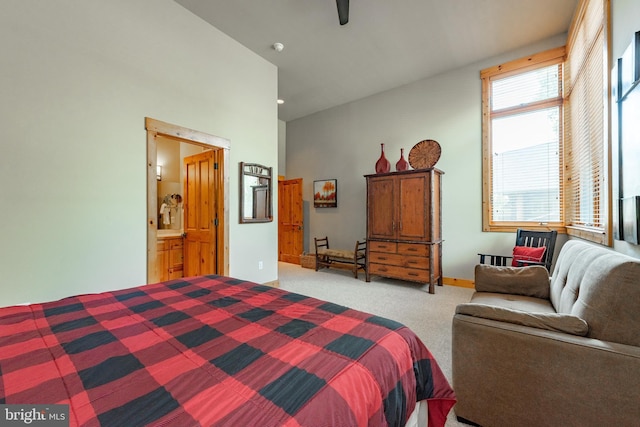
point(425, 154)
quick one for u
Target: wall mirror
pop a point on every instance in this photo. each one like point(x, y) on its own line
point(255, 193)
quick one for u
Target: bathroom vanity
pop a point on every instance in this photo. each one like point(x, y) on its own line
point(170, 262)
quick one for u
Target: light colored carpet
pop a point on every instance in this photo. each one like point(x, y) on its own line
point(428, 315)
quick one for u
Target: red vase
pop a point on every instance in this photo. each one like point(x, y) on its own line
point(382, 165)
point(402, 164)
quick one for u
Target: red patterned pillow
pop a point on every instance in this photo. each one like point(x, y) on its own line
point(526, 253)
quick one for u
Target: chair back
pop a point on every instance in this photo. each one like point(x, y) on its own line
point(536, 239)
point(321, 243)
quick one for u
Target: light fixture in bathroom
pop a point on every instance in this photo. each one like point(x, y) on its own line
point(159, 173)
point(280, 101)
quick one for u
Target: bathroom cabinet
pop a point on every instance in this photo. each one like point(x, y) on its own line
point(170, 263)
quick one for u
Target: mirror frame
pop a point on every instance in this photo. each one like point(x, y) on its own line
point(264, 173)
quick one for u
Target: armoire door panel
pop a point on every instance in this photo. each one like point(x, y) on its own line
point(381, 211)
point(413, 211)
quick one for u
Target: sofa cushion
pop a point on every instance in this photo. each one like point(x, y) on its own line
point(600, 286)
point(572, 263)
point(521, 254)
point(550, 321)
point(514, 302)
point(529, 281)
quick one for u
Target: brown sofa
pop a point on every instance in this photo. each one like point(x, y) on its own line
point(530, 350)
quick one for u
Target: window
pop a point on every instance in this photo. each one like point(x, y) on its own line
point(523, 142)
point(586, 116)
point(545, 135)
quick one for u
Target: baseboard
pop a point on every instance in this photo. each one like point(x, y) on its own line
point(463, 283)
point(451, 281)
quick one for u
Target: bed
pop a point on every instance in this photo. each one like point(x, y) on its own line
point(214, 350)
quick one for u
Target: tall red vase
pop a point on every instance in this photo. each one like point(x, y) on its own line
point(402, 164)
point(382, 165)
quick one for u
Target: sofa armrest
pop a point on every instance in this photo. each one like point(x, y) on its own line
point(506, 375)
point(532, 281)
point(550, 321)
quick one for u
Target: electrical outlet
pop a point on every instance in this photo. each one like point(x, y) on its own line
point(259, 265)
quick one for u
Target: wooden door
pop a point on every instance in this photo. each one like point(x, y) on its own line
point(381, 207)
point(200, 223)
point(290, 221)
point(413, 207)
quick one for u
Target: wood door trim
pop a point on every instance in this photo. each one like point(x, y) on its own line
point(185, 134)
point(156, 128)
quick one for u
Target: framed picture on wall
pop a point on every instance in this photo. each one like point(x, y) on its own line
point(325, 193)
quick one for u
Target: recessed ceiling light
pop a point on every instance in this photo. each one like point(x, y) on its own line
point(280, 101)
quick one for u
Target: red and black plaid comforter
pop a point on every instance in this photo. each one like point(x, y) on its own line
point(216, 351)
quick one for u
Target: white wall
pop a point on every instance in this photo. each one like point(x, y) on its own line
point(344, 143)
point(625, 17)
point(77, 80)
point(282, 147)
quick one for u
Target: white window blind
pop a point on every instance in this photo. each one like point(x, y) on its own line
point(585, 118)
point(525, 146)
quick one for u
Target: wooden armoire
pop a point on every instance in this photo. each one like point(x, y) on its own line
point(404, 227)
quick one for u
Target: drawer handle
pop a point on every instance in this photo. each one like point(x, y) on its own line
point(383, 269)
point(412, 250)
point(383, 258)
point(413, 274)
point(412, 262)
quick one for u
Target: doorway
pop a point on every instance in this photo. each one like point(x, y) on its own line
point(290, 220)
point(219, 192)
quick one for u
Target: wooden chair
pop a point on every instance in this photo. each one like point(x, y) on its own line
point(352, 260)
point(531, 239)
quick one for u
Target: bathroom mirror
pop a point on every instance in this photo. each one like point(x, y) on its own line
point(255, 193)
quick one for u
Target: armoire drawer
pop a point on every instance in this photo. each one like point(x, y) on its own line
point(413, 274)
point(399, 260)
point(385, 258)
point(387, 247)
point(414, 249)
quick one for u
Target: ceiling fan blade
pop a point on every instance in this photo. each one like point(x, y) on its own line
point(343, 11)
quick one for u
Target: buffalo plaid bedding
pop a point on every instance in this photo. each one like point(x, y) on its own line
point(214, 350)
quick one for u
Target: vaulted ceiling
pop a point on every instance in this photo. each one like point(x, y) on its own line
point(385, 44)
